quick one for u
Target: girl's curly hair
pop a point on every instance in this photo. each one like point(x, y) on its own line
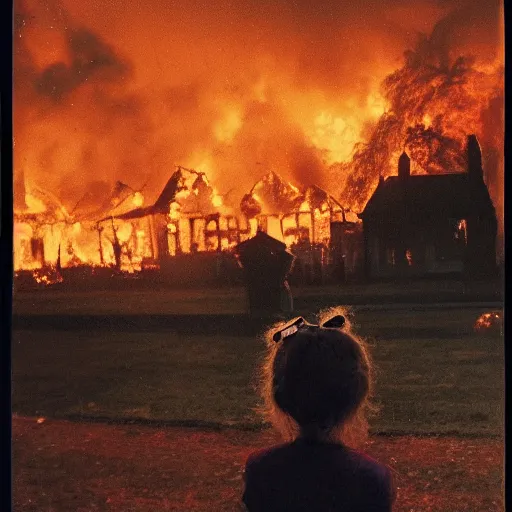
point(318, 378)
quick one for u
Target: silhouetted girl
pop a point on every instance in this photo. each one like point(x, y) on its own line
point(316, 384)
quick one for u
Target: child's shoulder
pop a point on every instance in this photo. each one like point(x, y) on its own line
point(337, 456)
point(355, 475)
point(376, 477)
point(263, 454)
point(368, 466)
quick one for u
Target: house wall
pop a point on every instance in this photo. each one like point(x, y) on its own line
point(481, 254)
point(414, 248)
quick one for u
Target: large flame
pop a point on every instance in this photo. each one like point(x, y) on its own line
point(124, 91)
point(432, 102)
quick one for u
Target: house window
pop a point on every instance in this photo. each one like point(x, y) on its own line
point(408, 256)
point(458, 230)
point(461, 234)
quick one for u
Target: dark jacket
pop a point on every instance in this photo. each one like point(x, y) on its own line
point(313, 476)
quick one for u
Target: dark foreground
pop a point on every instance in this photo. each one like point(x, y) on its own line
point(62, 466)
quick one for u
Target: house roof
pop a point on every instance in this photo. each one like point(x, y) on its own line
point(453, 195)
point(161, 205)
point(168, 194)
point(136, 213)
point(197, 198)
point(114, 203)
point(272, 195)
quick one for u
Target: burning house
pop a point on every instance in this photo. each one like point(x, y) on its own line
point(324, 236)
point(412, 225)
point(183, 234)
point(431, 224)
point(188, 233)
point(40, 222)
point(47, 236)
point(190, 230)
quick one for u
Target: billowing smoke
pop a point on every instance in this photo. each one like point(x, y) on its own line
point(432, 109)
point(90, 60)
point(434, 100)
point(319, 93)
point(73, 114)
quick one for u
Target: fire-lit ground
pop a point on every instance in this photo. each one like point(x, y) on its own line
point(61, 466)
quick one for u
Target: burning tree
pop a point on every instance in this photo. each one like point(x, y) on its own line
point(433, 101)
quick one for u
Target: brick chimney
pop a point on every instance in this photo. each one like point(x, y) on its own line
point(404, 166)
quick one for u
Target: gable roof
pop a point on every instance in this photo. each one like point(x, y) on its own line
point(161, 205)
point(271, 195)
point(168, 194)
point(453, 195)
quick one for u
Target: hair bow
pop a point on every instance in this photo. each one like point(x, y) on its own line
point(336, 322)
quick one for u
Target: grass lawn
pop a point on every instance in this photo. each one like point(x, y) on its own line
point(224, 300)
point(233, 300)
point(434, 374)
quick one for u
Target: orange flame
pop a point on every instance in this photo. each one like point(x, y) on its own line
point(490, 320)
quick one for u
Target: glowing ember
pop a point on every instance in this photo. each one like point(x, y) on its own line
point(491, 320)
point(46, 276)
